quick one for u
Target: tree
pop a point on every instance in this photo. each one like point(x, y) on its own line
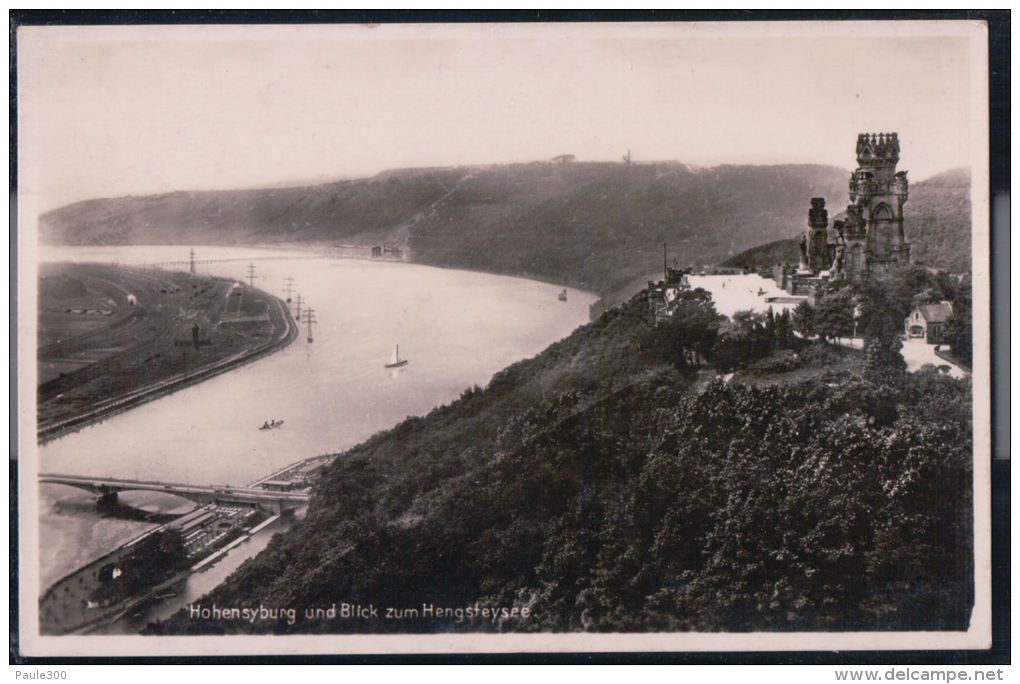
point(692, 328)
point(698, 320)
point(917, 279)
point(770, 328)
point(959, 327)
point(884, 304)
point(750, 332)
point(784, 330)
point(834, 315)
point(947, 284)
point(883, 307)
point(883, 360)
point(804, 319)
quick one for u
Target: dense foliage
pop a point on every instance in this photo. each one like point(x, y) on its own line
point(960, 328)
point(605, 485)
point(875, 308)
point(938, 223)
point(751, 336)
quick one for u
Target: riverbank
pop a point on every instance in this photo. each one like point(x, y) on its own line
point(66, 607)
point(229, 327)
point(457, 328)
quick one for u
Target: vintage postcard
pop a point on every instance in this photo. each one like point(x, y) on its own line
point(426, 338)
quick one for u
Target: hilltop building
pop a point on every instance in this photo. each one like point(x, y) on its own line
point(870, 238)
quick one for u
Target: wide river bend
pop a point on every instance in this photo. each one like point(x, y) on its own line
point(456, 328)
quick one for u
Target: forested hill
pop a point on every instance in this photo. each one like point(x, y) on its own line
point(936, 221)
point(605, 486)
point(593, 225)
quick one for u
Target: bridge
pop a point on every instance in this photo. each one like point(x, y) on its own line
point(107, 489)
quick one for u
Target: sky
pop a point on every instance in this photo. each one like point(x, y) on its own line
point(111, 111)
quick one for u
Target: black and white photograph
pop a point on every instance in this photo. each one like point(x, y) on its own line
point(503, 337)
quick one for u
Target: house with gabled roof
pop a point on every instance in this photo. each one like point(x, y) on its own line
point(928, 321)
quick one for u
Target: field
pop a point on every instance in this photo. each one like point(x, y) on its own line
point(106, 332)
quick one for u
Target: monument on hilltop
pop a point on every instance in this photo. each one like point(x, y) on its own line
point(872, 237)
point(869, 239)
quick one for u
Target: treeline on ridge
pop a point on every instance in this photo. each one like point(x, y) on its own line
point(593, 225)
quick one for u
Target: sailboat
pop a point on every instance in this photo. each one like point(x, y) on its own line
point(395, 360)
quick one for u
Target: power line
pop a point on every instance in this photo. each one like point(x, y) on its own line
point(310, 318)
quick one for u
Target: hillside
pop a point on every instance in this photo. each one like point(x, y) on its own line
point(606, 486)
point(936, 221)
point(592, 225)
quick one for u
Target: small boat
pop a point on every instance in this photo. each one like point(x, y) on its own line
point(563, 296)
point(395, 360)
point(271, 425)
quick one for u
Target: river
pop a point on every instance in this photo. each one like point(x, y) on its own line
point(456, 328)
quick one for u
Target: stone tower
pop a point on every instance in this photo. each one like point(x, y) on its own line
point(873, 230)
point(818, 224)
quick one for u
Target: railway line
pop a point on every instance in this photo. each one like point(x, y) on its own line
point(135, 349)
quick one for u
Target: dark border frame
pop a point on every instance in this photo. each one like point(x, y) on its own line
point(998, 21)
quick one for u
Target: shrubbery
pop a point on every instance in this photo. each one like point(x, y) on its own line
point(776, 363)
